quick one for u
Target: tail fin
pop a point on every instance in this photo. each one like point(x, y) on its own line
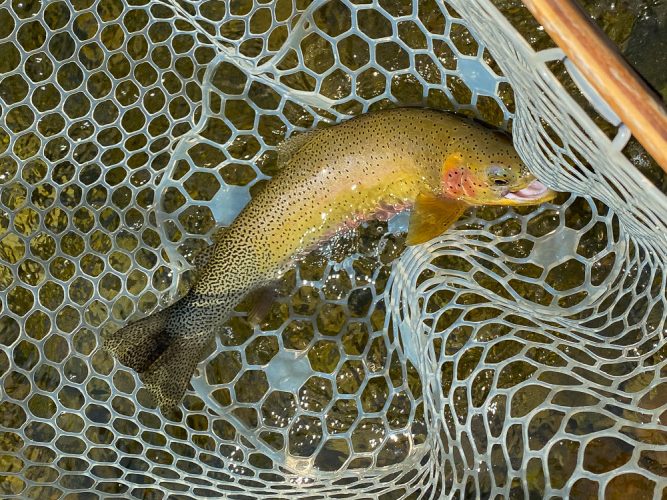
point(139, 344)
point(164, 359)
point(169, 376)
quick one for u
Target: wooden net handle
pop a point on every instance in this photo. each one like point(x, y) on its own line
point(609, 74)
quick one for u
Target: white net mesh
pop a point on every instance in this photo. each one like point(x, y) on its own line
point(520, 354)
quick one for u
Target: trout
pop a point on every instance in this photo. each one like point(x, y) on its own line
point(331, 179)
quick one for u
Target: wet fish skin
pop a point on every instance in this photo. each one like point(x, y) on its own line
point(372, 165)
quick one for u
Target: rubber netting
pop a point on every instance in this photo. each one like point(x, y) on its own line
point(520, 354)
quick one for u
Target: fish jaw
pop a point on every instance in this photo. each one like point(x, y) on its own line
point(534, 193)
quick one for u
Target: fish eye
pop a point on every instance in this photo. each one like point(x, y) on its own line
point(498, 175)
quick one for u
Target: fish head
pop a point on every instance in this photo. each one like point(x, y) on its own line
point(485, 169)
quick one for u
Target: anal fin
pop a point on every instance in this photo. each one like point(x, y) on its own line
point(261, 301)
point(431, 216)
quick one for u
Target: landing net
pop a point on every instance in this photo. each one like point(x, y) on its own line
point(521, 353)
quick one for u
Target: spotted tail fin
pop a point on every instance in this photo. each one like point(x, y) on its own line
point(163, 353)
point(139, 344)
point(168, 377)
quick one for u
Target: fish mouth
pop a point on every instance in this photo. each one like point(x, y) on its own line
point(533, 194)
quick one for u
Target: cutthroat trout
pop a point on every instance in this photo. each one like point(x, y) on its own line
point(368, 167)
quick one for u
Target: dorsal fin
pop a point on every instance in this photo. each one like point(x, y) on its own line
point(288, 148)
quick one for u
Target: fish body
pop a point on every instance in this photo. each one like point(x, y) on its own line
point(369, 167)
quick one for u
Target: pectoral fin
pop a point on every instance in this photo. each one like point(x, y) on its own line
point(431, 216)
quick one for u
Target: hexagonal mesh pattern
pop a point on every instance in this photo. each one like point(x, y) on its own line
point(521, 353)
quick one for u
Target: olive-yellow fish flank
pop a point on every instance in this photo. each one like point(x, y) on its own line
point(334, 178)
